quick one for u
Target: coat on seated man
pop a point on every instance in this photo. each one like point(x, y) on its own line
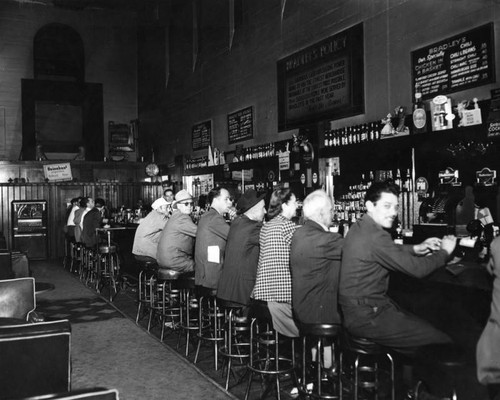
point(90, 222)
point(211, 240)
point(369, 254)
point(315, 256)
point(242, 250)
point(176, 242)
point(147, 235)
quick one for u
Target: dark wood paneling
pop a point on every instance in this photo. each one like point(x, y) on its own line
point(56, 194)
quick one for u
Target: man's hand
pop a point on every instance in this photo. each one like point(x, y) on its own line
point(448, 243)
point(427, 246)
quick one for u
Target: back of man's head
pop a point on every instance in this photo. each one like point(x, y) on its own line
point(317, 207)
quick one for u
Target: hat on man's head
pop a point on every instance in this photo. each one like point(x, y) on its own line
point(182, 195)
point(158, 203)
point(248, 200)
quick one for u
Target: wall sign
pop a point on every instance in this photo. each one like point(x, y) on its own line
point(456, 63)
point(120, 137)
point(58, 172)
point(240, 125)
point(322, 81)
point(201, 136)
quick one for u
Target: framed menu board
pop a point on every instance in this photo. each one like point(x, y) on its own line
point(322, 81)
point(240, 125)
point(201, 135)
point(457, 63)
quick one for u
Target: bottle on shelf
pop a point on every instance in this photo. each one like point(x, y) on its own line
point(419, 114)
point(398, 239)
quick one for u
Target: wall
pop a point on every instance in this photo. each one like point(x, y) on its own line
point(225, 80)
point(110, 44)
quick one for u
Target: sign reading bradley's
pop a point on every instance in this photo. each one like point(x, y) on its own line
point(58, 172)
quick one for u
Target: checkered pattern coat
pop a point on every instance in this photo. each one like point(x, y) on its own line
point(274, 282)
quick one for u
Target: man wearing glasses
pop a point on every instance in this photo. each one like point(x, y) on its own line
point(176, 245)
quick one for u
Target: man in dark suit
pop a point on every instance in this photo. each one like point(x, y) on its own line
point(91, 221)
point(315, 256)
point(242, 250)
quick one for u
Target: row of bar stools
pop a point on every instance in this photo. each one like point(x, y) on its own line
point(165, 300)
point(366, 365)
point(321, 387)
point(236, 344)
point(76, 256)
point(108, 269)
point(210, 323)
point(188, 316)
point(147, 278)
point(265, 358)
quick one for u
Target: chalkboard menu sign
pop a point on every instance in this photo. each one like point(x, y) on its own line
point(322, 81)
point(240, 125)
point(201, 136)
point(456, 63)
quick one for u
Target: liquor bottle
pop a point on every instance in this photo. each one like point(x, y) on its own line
point(419, 115)
point(398, 239)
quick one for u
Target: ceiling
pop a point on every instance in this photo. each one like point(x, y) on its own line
point(134, 5)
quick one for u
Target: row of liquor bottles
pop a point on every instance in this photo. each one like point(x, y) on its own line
point(361, 133)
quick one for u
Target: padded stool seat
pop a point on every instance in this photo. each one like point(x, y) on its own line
point(236, 339)
point(166, 274)
point(265, 356)
point(107, 249)
point(448, 359)
point(322, 387)
point(210, 323)
point(367, 356)
point(188, 320)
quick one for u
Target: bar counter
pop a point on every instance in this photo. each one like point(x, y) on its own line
point(123, 236)
point(455, 299)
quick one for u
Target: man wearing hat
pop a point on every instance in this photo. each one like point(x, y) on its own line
point(148, 234)
point(242, 250)
point(176, 244)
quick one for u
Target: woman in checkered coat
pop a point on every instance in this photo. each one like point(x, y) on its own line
point(273, 283)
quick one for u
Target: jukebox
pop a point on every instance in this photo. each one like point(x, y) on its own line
point(29, 228)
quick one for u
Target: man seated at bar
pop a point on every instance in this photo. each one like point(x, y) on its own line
point(369, 254)
point(315, 255)
point(167, 199)
point(273, 283)
point(90, 222)
point(176, 242)
point(211, 240)
point(242, 250)
point(147, 235)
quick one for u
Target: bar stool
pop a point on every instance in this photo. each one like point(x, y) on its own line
point(265, 358)
point(236, 344)
point(76, 258)
point(318, 333)
point(210, 323)
point(449, 359)
point(108, 269)
point(147, 277)
point(188, 316)
point(164, 300)
point(367, 356)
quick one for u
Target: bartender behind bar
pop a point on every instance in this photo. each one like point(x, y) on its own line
point(369, 254)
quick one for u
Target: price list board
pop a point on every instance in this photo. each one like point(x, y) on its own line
point(240, 125)
point(201, 136)
point(322, 81)
point(457, 63)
